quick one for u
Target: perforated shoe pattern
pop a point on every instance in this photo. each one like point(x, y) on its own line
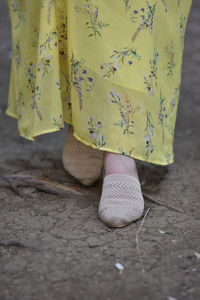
point(81, 161)
point(121, 200)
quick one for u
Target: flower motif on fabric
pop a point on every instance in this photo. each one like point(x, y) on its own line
point(109, 69)
point(182, 21)
point(66, 97)
point(58, 122)
point(17, 54)
point(126, 153)
point(66, 86)
point(80, 78)
point(173, 104)
point(169, 49)
point(94, 129)
point(128, 4)
point(119, 58)
point(151, 80)
point(42, 3)
point(167, 156)
point(148, 81)
point(154, 66)
point(173, 101)
point(19, 103)
point(147, 19)
point(69, 104)
point(149, 147)
point(165, 4)
point(45, 49)
point(172, 129)
point(127, 111)
point(58, 84)
point(44, 65)
point(49, 43)
point(35, 90)
point(62, 36)
point(162, 115)
point(35, 38)
point(50, 4)
point(67, 83)
point(20, 10)
point(94, 25)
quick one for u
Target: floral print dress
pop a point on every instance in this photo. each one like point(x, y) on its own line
point(110, 68)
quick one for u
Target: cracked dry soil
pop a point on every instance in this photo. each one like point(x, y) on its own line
point(53, 246)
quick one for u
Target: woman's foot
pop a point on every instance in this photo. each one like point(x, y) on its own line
point(81, 161)
point(119, 164)
point(121, 201)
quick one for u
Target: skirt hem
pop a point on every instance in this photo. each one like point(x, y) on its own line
point(32, 138)
point(117, 152)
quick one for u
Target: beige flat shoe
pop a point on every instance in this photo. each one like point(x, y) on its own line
point(121, 201)
point(81, 161)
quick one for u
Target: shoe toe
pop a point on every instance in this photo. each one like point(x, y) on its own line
point(119, 217)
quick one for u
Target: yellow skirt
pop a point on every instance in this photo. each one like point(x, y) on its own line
point(110, 68)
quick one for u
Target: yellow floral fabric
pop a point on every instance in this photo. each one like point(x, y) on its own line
point(110, 68)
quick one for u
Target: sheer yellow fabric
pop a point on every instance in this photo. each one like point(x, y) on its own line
point(111, 68)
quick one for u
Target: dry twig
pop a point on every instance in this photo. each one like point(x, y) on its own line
point(42, 184)
point(149, 198)
point(137, 240)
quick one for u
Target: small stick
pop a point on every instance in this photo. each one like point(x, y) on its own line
point(15, 189)
point(137, 239)
point(43, 184)
point(147, 197)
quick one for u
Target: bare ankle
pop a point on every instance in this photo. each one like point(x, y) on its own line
point(121, 164)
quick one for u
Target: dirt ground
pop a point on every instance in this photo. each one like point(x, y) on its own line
point(55, 247)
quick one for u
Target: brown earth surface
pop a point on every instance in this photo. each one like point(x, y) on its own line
point(52, 243)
